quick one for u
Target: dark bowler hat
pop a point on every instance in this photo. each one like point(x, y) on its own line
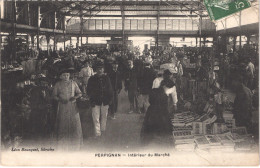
point(115, 62)
point(167, 72)
point(67, 70)
point(99, 64)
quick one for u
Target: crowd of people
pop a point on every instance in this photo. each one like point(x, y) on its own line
point(156, 87)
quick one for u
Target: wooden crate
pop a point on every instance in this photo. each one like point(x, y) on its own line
point(197, 128)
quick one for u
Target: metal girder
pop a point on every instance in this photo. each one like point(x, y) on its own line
point(109, 33)
point(102, 6)
point(13, 31)
point(141, 16)
point(81, 25)
point(80, 12)
point(165, 7)
point(183, 6)
point(200, 23)
point(43, 30)
point(157, 29)
point(243, 30)
point(114, 1)
point(22, 8)
point(57, 9)
point(7, 27)
point(123, 26)
point(171, 10)
point(98, 5)
point(141, 3)
point(38, 26)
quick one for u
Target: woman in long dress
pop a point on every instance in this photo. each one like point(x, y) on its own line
point(68, 125)
point(157, 121)
point(172, 96)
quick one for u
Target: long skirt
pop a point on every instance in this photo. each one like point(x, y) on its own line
point(156, 123)
point(68, 127)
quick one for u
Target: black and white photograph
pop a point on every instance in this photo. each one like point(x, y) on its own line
point(129, 83)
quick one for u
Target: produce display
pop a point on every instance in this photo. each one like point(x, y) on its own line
point(205, 132)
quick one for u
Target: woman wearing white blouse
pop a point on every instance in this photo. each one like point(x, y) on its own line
point(171, 92)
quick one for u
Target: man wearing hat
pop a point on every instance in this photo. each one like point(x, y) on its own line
point(85, 74)
point(116, 81)
point(100, 92)
point(131, 87)
point(145, 84)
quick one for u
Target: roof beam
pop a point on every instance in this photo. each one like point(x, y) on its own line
point(109, 33)
point(7, 27)
point(57, 9)
point(138, 15)
point(90, 16)
point(123, 26)
point(141, 10)
point(157, 28)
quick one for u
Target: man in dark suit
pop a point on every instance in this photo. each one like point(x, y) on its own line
point(100, 92)
point(145, 83)
point(116, 81)
point(131, 87)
